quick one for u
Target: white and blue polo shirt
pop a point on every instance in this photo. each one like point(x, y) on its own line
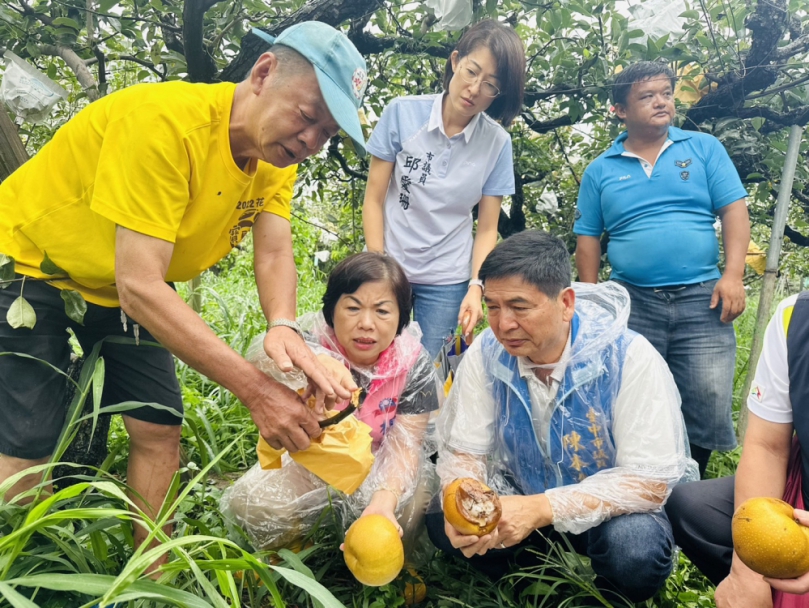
point(436, 182)
point(660, 219)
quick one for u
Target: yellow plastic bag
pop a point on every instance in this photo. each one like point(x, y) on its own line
point(756, 258)
point(341, 456)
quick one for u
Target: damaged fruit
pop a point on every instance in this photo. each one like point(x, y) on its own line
point(471, 506)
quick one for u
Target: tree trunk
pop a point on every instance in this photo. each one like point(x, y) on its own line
point(12, 150)
point(333, 12)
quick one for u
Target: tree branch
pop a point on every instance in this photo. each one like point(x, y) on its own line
point(75, 63)
point(368, 44)
point(767, 24)
point(147, 64)
point(27, 10)
point(201, 66)
point(334, 152)
point(796, 237)
point(793, 48)
point(333, 12)
point(544, 126)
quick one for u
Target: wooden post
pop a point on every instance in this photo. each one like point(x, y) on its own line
point(12, 150)
point(770, 274)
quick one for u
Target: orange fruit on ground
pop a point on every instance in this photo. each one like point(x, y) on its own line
point(768, 540)
point(415, 590)
point(471, 506)
point(373, 550)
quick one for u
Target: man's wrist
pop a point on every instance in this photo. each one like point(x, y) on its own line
point(294, 325)
point(544, 511)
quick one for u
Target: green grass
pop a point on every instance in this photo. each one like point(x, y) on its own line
point(75, 548)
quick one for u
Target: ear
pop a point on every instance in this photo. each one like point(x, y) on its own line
point(620, 110)
point(455, 57)
point(567, 299)
point(263, 71)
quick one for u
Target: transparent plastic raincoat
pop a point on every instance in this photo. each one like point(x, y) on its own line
point(278, 507)
point(570, 453)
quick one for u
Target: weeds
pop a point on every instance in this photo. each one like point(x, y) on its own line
point(75, 548)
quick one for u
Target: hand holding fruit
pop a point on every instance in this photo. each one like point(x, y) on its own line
point(471, 511)
point(769, 540)
point(373, 550)
point(799, 585)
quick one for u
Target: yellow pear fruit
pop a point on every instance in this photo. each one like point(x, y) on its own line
point(768, 540)
point(415, 590)
point(373, 550)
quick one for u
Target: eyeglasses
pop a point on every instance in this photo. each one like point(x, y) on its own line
point(470, 76)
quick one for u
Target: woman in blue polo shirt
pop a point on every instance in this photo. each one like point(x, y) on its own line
point(434, 157)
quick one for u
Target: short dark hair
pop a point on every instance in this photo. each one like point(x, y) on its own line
point(638, 72)
point(538, 258)
point(507, 48)
point(290, 61)
point(350, 274)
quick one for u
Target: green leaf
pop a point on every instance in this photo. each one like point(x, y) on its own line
point(67, 22)
point(21, 314)
point(16, 599)
point(32, 48)
point(98, 584)
point(98, 390)
point(48, 267)
point(104, 6)
point(6, 270)
point(312, 587)
point(75, 306)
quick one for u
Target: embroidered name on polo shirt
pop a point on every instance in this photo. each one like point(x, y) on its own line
point(623, 177)
point(412, 163)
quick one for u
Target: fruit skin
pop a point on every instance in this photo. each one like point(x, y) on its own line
point(415, 590)
point(467, 489)
point(768, 540)
point(373, 550)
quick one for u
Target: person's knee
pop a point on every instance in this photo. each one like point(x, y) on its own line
point(153, 437)
point(634, 552)
point(679, 505)
point(11, 466)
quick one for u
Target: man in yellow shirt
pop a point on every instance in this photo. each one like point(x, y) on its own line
point(151, 185)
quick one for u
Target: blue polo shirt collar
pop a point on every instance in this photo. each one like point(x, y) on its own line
point(617, 148)
point(437, 121)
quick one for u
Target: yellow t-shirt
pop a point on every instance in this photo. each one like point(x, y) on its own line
point(153, 158)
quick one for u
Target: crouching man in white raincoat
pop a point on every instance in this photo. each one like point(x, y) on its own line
point(571, 417)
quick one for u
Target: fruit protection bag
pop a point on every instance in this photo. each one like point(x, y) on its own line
point(605, 443)
point(341, 456)
point(26, 91)
point(278, 507)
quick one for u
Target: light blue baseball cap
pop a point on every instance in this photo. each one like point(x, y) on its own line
point(339, 67)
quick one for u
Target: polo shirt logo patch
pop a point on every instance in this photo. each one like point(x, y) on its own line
point(682, 164)
point(684, 175)
point(624, 177)
point(577, 215)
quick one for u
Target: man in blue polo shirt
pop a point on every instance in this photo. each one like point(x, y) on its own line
point(657, 192)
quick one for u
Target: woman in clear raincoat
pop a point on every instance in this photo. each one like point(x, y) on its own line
point(364, 325)
point(572, 418)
